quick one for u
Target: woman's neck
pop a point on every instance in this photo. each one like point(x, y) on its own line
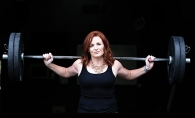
point(97, 61)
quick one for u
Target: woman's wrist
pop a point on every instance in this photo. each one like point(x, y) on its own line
point(146, 69)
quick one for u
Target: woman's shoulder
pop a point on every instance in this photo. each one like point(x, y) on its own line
point(78, 61)
point(117, 63)
point(78, 65)
point(116, 67)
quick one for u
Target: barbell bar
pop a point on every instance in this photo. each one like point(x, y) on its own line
point(176, 58)
point(5, 56)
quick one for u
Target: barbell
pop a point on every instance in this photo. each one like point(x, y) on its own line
point(176, 58)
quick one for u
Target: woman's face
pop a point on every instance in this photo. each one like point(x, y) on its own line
point(96, 48)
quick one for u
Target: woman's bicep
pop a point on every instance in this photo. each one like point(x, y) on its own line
point(72, 70)
point(122, 71)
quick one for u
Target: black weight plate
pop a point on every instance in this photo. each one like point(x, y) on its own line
point(182, 63)
point(174, 67)
point(18, 61)
point(10, 60)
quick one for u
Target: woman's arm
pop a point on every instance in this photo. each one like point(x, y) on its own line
point(65, 72)
point(135, 73)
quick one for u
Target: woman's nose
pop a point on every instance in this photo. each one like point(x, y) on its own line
point(95, 47)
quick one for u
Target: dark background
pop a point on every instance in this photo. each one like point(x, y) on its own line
point(57, 26)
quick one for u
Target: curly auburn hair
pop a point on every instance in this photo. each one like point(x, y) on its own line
point(108, 54)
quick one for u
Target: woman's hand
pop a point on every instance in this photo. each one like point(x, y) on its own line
point(48, 58)
point(149, 62)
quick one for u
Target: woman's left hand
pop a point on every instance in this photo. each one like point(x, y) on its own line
point(149, 62)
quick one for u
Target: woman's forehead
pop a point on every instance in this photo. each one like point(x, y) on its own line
point(96, 39)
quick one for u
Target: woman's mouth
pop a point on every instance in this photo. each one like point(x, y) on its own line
point(96, 52)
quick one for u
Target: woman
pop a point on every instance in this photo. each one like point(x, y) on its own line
point(97, 71)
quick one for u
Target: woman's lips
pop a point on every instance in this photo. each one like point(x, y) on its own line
point(96, 52)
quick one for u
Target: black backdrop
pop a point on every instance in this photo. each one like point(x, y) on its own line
point(58, 26)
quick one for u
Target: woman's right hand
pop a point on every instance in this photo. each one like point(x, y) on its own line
point(48, 58)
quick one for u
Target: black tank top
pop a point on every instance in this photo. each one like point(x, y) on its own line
point(97, 92)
